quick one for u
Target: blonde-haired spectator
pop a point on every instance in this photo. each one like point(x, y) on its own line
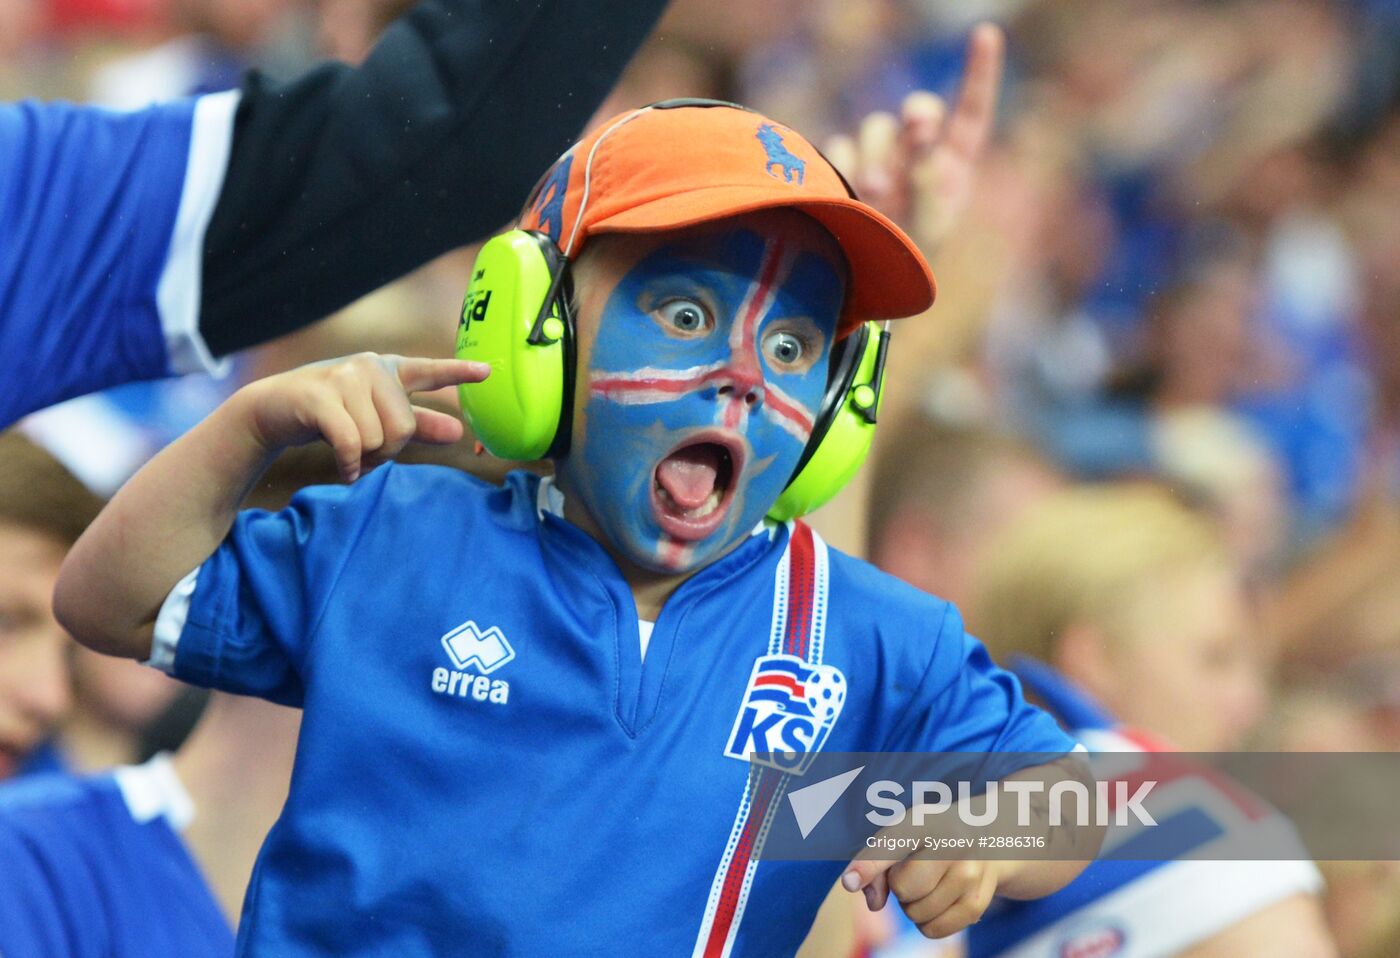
point(1122, 612)
point(1131, 596)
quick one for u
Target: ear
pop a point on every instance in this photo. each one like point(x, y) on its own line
point(1083, 656)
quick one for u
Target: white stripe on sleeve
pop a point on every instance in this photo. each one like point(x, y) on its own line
point(1175, 907)
point(178, 293)
point(170, 622)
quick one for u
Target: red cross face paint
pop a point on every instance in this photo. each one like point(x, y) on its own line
point(702, 385)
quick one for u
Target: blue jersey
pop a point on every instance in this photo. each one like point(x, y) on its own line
point(1142, 908)
point(487, 761)
point(94, 868)
point(44, 759)
point(102, 223)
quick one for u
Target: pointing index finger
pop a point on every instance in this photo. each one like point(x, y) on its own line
point(418, 374)
point(971, 120)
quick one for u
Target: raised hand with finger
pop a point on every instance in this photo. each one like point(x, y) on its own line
point(175, 512)
point(918, 168)
point(359, 405)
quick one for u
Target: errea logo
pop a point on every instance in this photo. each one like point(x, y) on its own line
point(468, 647)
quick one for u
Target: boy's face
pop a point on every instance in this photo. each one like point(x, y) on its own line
point(34, 677)
point(702, 363)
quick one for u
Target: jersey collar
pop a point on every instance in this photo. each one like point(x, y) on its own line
point(155, 789)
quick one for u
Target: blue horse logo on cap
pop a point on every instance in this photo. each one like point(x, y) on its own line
point(549, 201)
point(779, 155)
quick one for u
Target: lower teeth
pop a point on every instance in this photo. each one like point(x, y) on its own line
point(699, 512)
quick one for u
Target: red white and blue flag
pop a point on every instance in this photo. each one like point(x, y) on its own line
point(789, 708)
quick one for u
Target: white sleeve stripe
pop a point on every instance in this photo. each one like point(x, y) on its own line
point(170, 622)
point(178, 293)
point(1176, 906)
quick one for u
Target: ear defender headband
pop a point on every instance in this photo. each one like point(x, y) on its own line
point(517, 317)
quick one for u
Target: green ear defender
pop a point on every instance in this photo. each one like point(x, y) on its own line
point(516, 317)
point(845, 424)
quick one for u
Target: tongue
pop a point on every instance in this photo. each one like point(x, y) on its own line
point(689, 474)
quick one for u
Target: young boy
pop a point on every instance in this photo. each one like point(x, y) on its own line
point(43, 510)
point(137, 861)
point(524, 726)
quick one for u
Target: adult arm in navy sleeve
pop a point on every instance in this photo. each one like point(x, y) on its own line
point(145, 244)
point(347, 178)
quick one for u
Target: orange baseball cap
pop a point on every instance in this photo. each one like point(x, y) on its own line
point(669, 166)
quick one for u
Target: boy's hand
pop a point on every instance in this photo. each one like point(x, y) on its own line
point(918, 169)
point(359, 405)
point(941, 897)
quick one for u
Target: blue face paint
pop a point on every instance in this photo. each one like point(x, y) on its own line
point(708, 368)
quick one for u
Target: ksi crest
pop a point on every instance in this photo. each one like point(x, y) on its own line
point(788, 710)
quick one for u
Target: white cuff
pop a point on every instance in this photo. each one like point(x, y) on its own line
point(179, 290)
point(170, 622)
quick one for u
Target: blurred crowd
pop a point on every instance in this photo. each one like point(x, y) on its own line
point(1150, 433)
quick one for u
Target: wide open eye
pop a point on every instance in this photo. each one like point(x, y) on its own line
point(683, 317)
point(785, 349)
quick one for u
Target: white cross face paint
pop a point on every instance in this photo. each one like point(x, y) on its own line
point(702, 386)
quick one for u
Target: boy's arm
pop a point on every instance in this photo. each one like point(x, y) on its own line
point(965, 705)
point(173, 514)
point(945, 895)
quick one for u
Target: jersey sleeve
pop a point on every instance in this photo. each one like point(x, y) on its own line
point(348, 177)
point(966, 703)
point(257, 601)
point(102, 223)
point(1174, 905)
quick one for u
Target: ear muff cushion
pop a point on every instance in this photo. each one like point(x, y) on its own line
point(835, 453)
point(516, 411)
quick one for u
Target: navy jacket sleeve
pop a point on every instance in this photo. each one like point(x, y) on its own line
point(347, 178)
point(145, 244)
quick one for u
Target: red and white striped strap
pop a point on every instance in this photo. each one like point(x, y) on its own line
point(798, 628)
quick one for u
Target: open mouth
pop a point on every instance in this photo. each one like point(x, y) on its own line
point(693, 486)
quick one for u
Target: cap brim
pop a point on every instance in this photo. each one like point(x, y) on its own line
point(889, 277)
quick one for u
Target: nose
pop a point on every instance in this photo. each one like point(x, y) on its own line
point(1253, 699)
point(47, 692)
point(1240, 703)
point(749, 395)
point(742, 379)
